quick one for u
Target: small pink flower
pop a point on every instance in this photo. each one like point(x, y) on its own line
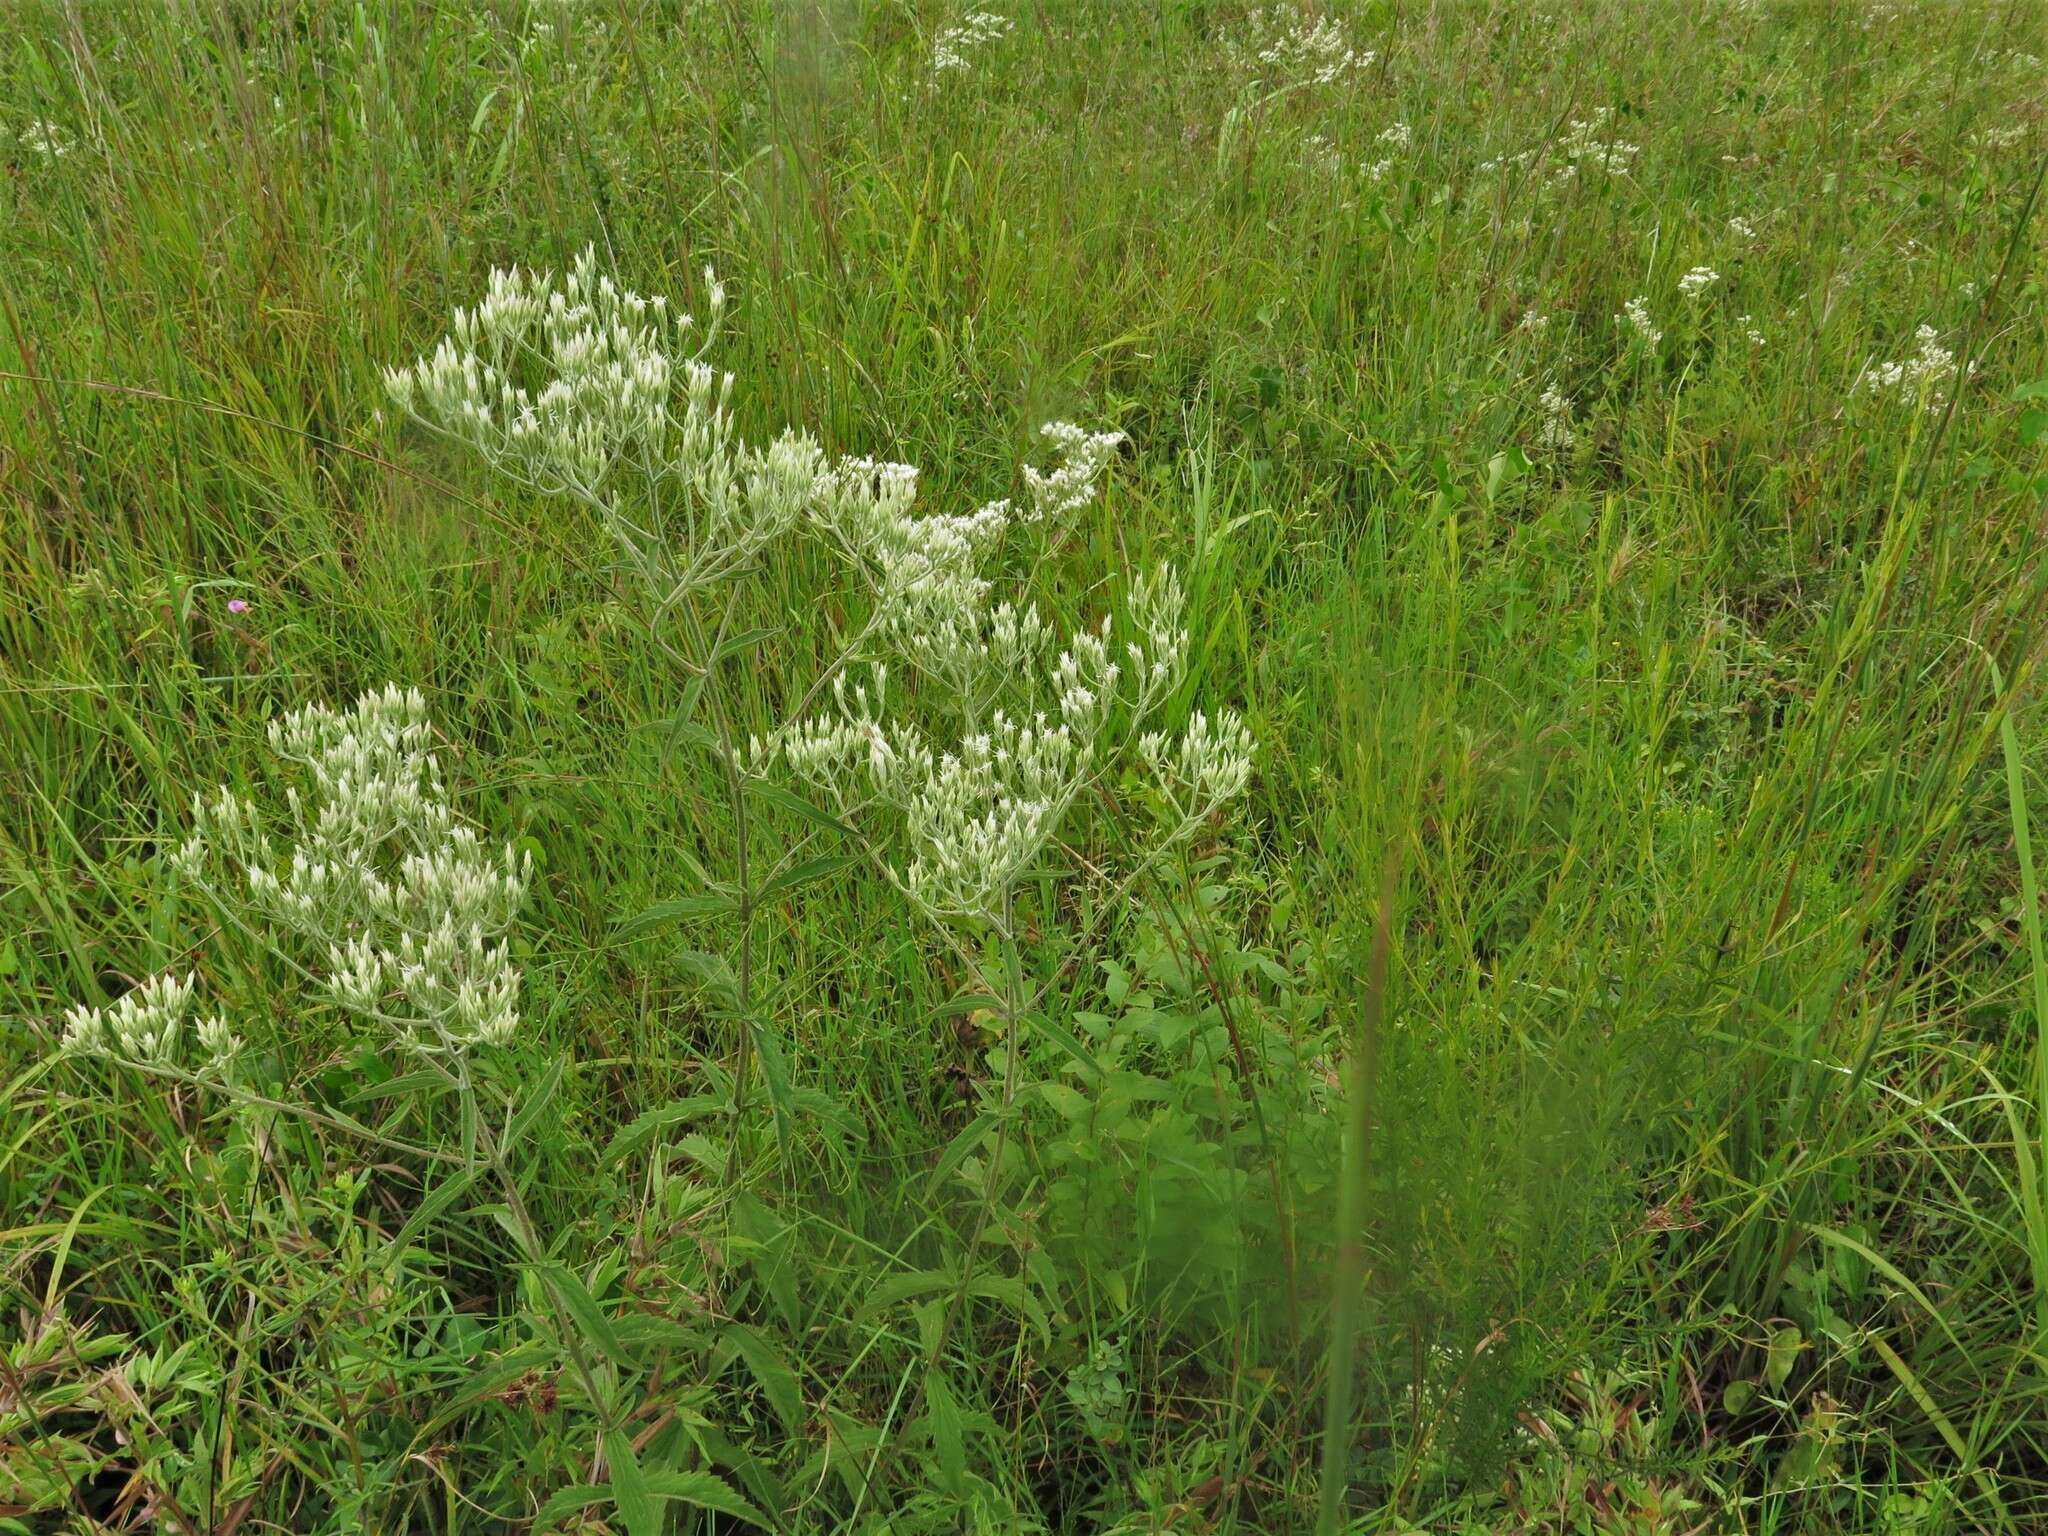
point(238, 605)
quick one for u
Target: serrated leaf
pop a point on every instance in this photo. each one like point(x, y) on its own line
point(704, 1490)
point(644, 1127)
point(630, 1492)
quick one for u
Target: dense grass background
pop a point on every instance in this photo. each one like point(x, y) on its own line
point(1685, 772)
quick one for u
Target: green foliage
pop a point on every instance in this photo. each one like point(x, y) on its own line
point(1682, 748)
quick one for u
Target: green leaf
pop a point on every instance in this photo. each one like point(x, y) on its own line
point(630, 1492)
point(797, 805)
point(805, 873)
point(962, 1146)
point(898, 1289)
point(645, 1127)
point(942, 1418)
point(1066, 1100)
point(745, 640)
point(536, 1104)
point(1782, 1355)
point(704, 1490)
point(439, 1198)
point(582, 1308)
point(392, 1087)
point(1066, 1042)
point(676, 909)
point(777, 1381)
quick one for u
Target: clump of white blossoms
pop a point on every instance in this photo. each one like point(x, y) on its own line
point(1554, 431)
point(45, 140)
point(1282, 47)
point(1741, 228)
point(1396, 137)
point(1055, 494)
point(931, 602)
point(974, 816)
point(1579, 151)
point(1698, 281)
point(1635, 314)
point(576, 386)
point(392, 905)
point(146, 1026)
point(1584, 149)
point(1749, 329)
point(954, 47)
point(1922, 379)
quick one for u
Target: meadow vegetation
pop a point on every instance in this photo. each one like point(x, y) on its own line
point(1087, 766)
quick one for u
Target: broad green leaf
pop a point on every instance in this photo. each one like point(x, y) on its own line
point(630, 1492)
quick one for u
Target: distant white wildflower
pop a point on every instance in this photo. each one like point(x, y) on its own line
point(1924, 378)
point(1698, 281)
point(1555, 429)
point(1741, 228)
point(1282, 46)
point(1534, 322)
point(1635, 314)
point(1319, 155)
point(45, 140)
point(953, 49)
point(1582, 149)
point(1397, 135)
point(1749, 329)
point(1579, 151)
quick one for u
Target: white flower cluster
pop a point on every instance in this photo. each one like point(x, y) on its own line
point(402, 900)
point(45, 140)
point(578, 386)
point(1741, 228)
point(976, 816)
point(1282, 47)
point(1635, 314)
point(146, 1025)
point(924, 569)
point(1397, 137)
point(1750, 332)
point(1579, 150)
point(1555, 429)
point(1698, 281)
point(1054, 495)
point(953, 48)
point(1921, 379)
